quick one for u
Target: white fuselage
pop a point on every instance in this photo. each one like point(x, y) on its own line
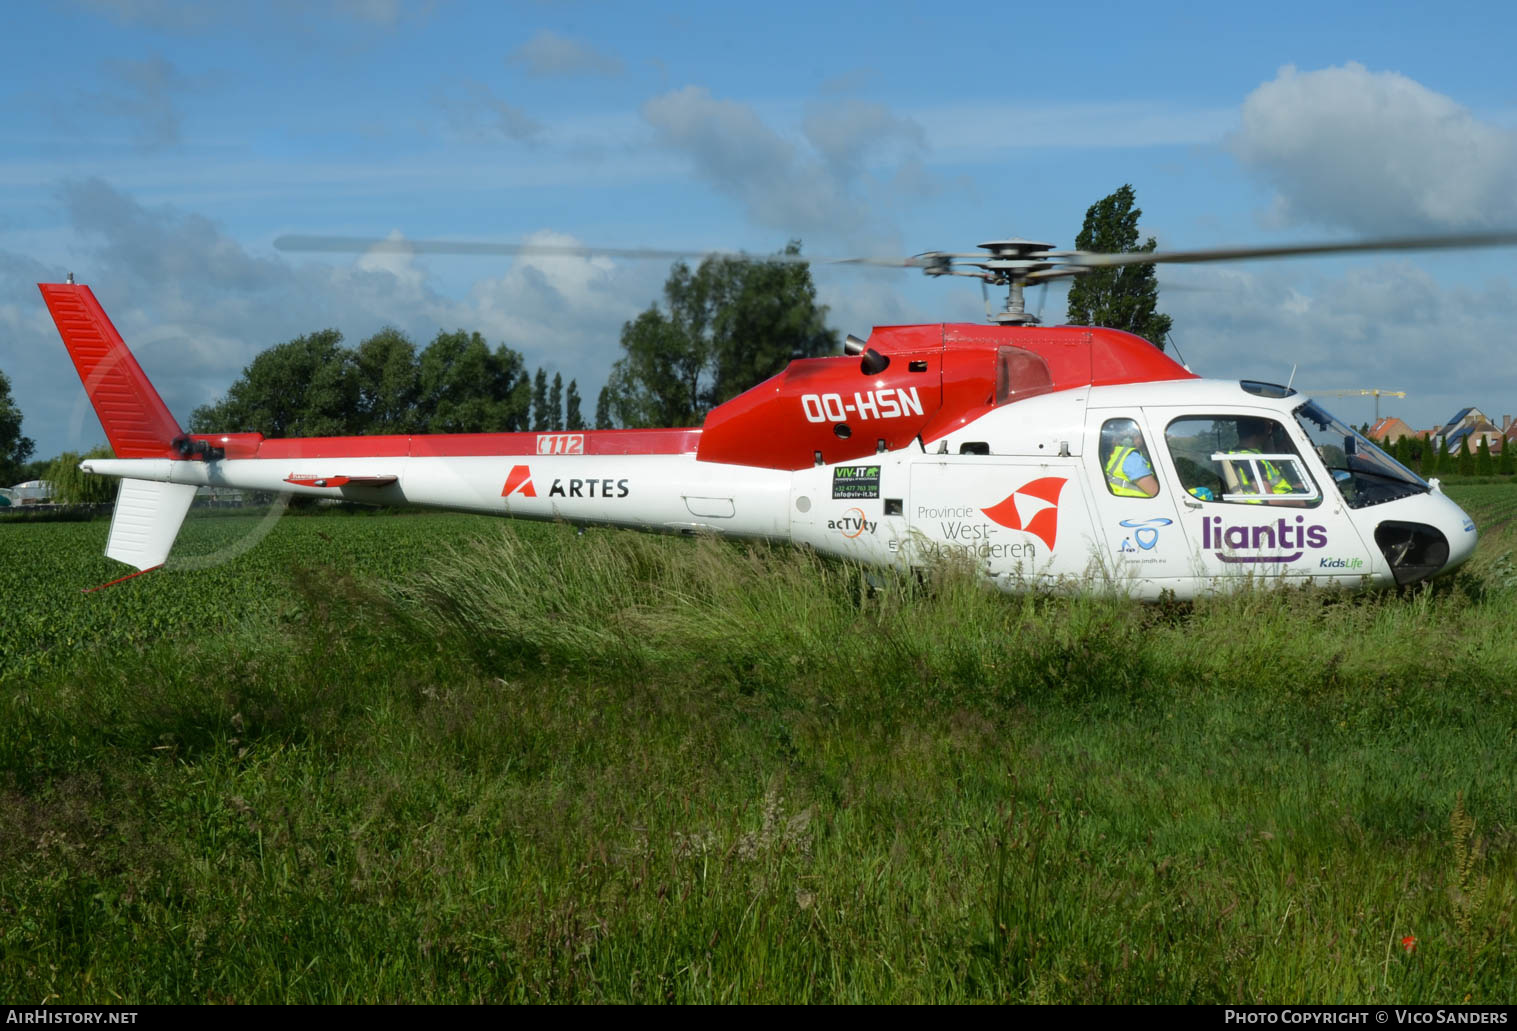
point(1019, 492)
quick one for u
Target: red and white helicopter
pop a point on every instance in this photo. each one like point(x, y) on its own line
point(1009, 445)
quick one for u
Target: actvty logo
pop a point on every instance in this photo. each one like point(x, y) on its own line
point(852, 523)
point(1145, 532)
point(1032, 508)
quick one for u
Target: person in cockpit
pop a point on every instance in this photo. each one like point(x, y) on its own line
point(1253, 438)
point(1129, 474)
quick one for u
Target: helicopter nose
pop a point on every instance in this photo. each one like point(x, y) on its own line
point(1438, 542)
point(1462, 538)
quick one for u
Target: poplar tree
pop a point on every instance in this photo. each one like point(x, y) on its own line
point(1118, 298)
point(540, 420)
point(1403, 451)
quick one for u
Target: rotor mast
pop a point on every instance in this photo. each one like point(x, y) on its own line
point(1010, 263)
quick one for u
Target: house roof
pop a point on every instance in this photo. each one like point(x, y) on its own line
point(1390, 426)
point(1474, 433)
point(1459, 417)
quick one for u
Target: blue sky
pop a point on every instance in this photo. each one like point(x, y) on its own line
point(156, 148)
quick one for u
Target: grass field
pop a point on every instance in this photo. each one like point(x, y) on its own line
point(438, 758)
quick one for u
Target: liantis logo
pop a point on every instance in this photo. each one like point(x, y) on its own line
point(1280, 541)
point(1032, 508)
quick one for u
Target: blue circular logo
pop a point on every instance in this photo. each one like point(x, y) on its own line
point(1146, 531)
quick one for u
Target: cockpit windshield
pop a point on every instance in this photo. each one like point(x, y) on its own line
point(1365, 475)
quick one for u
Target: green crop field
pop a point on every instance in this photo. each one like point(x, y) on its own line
point(438, 758)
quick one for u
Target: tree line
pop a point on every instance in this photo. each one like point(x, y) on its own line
point(723, 327)
point(313, 386)
point(1435, 459)
point(720, 328)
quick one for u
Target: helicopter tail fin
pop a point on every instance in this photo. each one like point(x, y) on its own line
point(146, 521)
point(136, 421)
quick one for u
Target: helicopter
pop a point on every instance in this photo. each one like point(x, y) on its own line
point(1008, 445)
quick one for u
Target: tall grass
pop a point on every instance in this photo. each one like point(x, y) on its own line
point(561, 767)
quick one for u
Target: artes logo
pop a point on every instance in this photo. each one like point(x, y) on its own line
point(1033, 508)
point(519, 482)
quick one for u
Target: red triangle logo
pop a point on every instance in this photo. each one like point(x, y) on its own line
point(1038, 503)
point(519, 482)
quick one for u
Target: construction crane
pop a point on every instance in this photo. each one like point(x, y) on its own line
point(1375, 392)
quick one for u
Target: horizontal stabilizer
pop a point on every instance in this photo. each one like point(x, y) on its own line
point(148, 516)
point(339, 481)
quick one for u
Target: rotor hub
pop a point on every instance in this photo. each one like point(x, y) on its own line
point(1011, 263)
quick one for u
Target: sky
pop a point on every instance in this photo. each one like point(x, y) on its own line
point(156, 149)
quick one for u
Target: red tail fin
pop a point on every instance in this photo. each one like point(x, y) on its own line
point(137, 422)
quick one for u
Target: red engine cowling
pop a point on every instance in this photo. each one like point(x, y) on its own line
point(937, 378)
point(831, 409)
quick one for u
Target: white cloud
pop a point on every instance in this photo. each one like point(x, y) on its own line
point(143, 95)
point(548, 54)
point(385, 13)
point(1376, 152)
point(196, 307)
point(837, 181)
point(481, 113)
point(169, 15)
point(851, 133)
point(563, 312)
point(1388, 325)
point(978, 130)
point(189, 16)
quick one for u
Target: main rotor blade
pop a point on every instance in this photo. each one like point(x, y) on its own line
point(400, 245)
point(1499, 238)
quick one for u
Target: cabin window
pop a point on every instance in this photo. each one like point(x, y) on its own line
point(1239, 460)
point(1125, 460)
point(1020, 374)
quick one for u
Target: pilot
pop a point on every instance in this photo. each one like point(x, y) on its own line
point(1128, 471)
point(1253, 438)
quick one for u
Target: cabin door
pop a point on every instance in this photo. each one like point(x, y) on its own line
point(1142, 543)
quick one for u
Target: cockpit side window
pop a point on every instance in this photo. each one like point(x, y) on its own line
point(1125, 460)
point(1020, 374)
point(1239, 460)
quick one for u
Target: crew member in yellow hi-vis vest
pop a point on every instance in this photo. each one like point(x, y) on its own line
point(1253, 437)
point(1128, 472)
